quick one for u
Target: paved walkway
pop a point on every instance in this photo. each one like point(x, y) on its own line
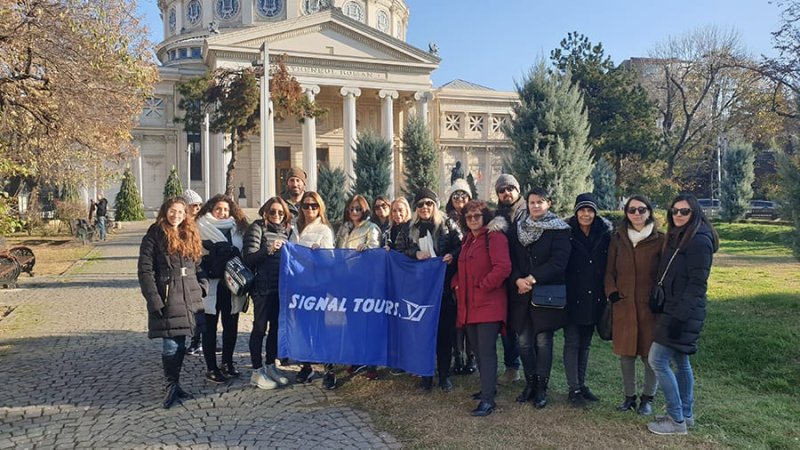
point(77, 371)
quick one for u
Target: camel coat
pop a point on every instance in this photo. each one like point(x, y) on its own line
point(632, 272)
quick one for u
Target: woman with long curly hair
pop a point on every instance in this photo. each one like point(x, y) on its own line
point(222, 225)
point(173, 284)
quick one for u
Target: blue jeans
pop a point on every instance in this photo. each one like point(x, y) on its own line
point(170, 346)
point(678, 385)
point(101, 227)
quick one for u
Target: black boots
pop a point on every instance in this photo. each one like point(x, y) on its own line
point(458, 366)
point(645, 405)
point(426, 383)
point(629, 404)
point(530, 389)
point(172, 372)
point(444, 383)
point(540, 396)
point(576, 398)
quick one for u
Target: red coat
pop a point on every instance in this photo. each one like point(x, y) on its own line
point(480, 283)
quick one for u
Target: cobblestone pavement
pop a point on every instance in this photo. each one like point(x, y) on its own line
point(77, 371)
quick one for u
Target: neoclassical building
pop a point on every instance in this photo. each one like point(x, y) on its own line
point(350, 56)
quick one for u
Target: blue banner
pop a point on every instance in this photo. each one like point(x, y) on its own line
point(347, 307)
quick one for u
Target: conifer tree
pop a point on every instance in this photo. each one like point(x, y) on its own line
point(472, 187)
point(549, 133)
point(172, 188)
point(330, 186)
point(605, 181)
point(372, 166)
point(789, 176)
point(736, 189)
point(128, 204)
point(419, 157)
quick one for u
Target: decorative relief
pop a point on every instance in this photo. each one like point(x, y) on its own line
point(498, 122)
point(452, 122)
point(476, 123)
point(312, 6)
point(172, 19)
point(354, 10)
point(227, 9)
point(153, 108)
point(269, 8)
point(194, 12)
point(382, 21)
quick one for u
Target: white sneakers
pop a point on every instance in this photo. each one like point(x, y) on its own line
point(260, 380)
point(268, 377)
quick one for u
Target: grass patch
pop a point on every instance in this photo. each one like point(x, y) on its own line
point(53, 255)
point(747, 375)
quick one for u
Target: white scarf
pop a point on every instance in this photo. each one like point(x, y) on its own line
point(211, 230)
point(639, 236)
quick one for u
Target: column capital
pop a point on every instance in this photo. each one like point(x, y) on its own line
point(423, 96)
point(346, 91)
point(312, 89)
point(391, 93)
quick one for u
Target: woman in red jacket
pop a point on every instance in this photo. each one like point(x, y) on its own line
point(483, 266)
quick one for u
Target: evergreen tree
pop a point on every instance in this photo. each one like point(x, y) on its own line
point(789, 176)
point(736, 189)
point(372, 165)
point(549, 132)
point(472, 186)
point(419, 157)
point(605, 181)
point(128, 204)
point(172, 188)
point(330, 186)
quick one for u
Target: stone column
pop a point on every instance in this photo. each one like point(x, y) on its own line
point(387, 129)
point(423, 98)
point(349, 128)
point(267, 136)
point(310, 142)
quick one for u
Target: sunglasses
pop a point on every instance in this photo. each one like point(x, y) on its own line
point(506, 189)
point(460, 196)
point(428, 203)
point(355, 209)
point(475, 216)
point(310, 206)
point(275, 213)
point(640, 210)
point(681, 211)
point(381, 206)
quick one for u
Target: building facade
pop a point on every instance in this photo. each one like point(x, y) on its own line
point(351, 57)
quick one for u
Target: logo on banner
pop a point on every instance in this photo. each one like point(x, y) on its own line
point(415, 311)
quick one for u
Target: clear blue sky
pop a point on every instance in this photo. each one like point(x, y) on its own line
point(494, 42)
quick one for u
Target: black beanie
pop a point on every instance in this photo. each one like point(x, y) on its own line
point(585, 200)
point(425, 193)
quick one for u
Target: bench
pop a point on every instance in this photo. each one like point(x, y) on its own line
point(13, 262)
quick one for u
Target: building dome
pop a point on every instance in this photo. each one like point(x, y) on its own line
point(188, 22)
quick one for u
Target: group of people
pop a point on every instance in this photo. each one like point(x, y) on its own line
point(498, 263)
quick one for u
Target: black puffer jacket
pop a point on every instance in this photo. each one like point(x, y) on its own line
point(685, 286)
point(586, 270)
point(172, 285)
point(257, 241)
point(398, 238)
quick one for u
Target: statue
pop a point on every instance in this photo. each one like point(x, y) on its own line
point(213, 28)
point(456, 172)
point(433, 49)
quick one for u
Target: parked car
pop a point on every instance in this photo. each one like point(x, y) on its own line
point(762, 209)
point(710, 206)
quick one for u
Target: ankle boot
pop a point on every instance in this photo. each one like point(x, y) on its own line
point(540, 397)
point(530, 389)
point(458, 366)
point(645, 405)
point(629, 404)
point(426, 383)
point(471, 366)
point(445, 384)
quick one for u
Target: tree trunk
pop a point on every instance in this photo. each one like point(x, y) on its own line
point(229, 187)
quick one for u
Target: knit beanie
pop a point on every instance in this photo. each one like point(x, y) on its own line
point(505, 180)
point(459, 185)
point(191, 197)
point(425, 193)
point(585, 200)
point(297, 173)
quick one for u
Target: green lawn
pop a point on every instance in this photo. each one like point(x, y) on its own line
point(747, 374)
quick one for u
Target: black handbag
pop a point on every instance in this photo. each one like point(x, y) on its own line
point(606, 322)
point(657, 294)
point(238, 277)
point(549, 296)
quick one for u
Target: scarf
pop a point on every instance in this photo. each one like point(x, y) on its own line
point(211, 228)
point(639, 236)
point(529, 230)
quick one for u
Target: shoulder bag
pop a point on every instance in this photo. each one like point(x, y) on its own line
point(606, 322)
point(657, 294)
point(549, 296)
point(238, 277)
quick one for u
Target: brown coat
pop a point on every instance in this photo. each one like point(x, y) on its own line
point(632, 272)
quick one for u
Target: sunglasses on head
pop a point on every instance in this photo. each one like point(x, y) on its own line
point(275, 212)
point(681, 211)
point(355, 209)
point(460, 196)
point(640, 210)
point(310, 206)
point(428, 203)
point(506, 189)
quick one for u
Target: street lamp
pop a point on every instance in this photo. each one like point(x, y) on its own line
point(267, 141)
